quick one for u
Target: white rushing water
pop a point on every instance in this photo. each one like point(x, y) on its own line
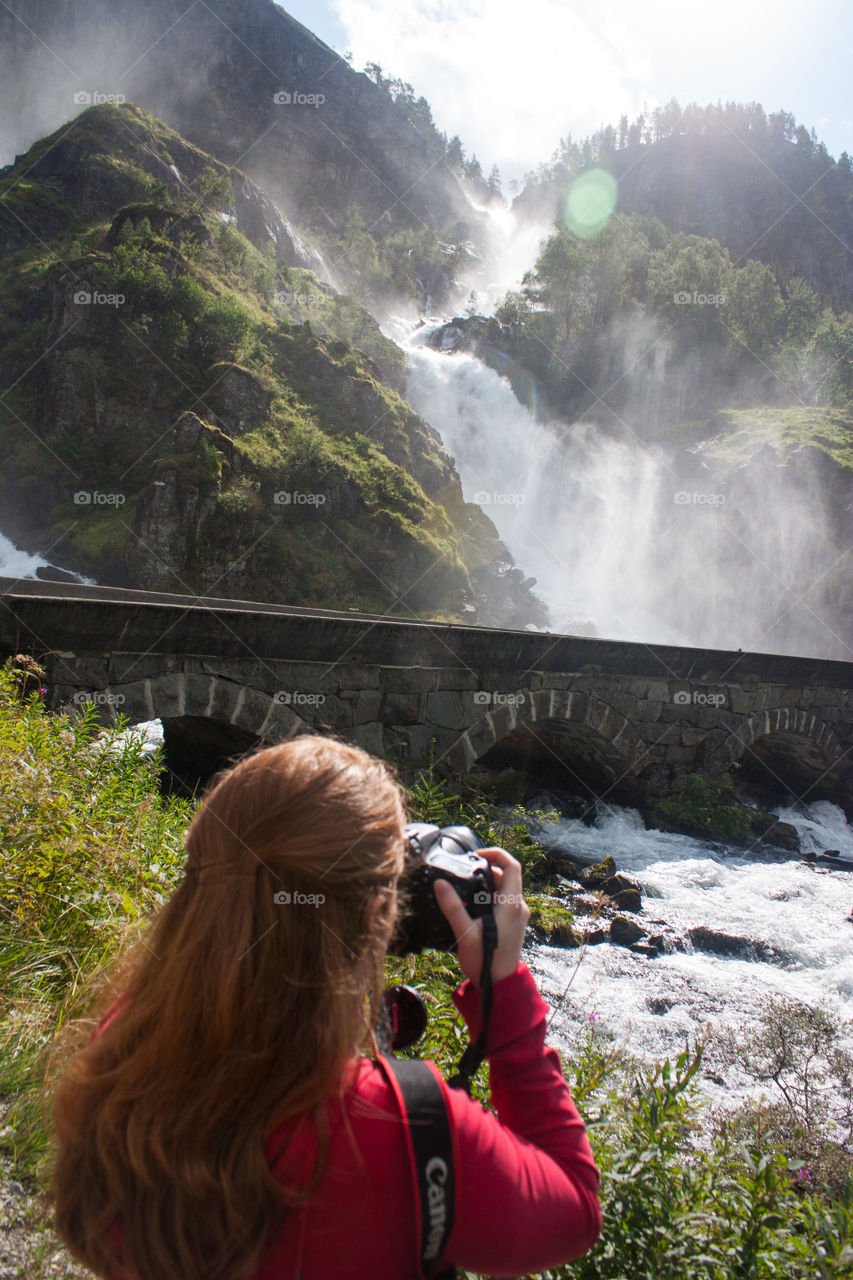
point(15, 563)
point(578, 510)
point(792, 913)
point(613, 537)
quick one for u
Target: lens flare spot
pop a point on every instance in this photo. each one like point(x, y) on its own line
point(591, 201)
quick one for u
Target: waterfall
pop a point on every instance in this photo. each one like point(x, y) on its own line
point(15, 563)
point(18, 564)
point(564, 500)
point(620, 542)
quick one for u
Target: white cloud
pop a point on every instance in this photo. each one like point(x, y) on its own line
point(512, 79)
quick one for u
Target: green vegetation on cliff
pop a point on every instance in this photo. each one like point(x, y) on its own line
point(765, 187)
point(230, 421)
point(662, 325)
point(736, 435)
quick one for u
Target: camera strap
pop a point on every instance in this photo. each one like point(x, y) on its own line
point(430, 1149)
point(472, 1058)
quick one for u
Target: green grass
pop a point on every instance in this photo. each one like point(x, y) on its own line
point(90, 848)
point(741, 433)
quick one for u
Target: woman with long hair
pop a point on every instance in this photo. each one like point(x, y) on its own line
point(226, 1119)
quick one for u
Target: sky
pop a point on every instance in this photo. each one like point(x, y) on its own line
point(513, 79)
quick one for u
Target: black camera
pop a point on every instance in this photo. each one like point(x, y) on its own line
point(440, 853)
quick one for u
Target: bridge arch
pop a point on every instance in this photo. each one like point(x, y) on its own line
point(579, 734)
point(206, 720)
point(790, 746)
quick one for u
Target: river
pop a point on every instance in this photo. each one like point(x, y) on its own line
point(790, 916)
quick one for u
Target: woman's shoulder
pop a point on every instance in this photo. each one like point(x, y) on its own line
point(366, 1095)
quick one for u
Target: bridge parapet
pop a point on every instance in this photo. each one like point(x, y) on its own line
point(624, 720)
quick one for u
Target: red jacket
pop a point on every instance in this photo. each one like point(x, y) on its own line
point(526, 1181)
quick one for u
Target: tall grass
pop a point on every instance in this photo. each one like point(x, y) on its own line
point(89, 848)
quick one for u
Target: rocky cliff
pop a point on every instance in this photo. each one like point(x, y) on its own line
point(189, 406)
point(250, 85)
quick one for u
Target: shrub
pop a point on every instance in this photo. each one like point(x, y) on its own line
point(89, 848)
point(708, 807)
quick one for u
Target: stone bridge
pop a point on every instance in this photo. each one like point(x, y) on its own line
point(602, 717)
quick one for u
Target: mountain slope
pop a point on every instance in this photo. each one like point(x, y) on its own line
point(185, 408)
point(333, 141)
point(761, 185)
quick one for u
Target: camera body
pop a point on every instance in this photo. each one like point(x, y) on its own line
point(440, 853)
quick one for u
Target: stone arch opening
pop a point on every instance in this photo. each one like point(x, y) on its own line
point(789, 751)
point(573, 744)
point(568, 759)
point(207, 720)
point(197, 747)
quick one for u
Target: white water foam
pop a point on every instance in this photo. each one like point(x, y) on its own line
point(15, 563)
point(577, 509)
point(793, 911)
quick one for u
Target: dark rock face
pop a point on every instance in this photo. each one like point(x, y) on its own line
point(172, 508)
point(238, 400)
point(212, 71)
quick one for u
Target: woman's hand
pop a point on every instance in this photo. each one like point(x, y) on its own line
point(511, 916)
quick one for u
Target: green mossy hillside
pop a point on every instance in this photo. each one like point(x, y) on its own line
point(235, 423)
point(736, 435)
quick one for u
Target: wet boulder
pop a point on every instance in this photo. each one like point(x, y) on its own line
point(779, 835)
point(629, 899)
point(597, 876)
point(625, 894)
point(625, 932)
